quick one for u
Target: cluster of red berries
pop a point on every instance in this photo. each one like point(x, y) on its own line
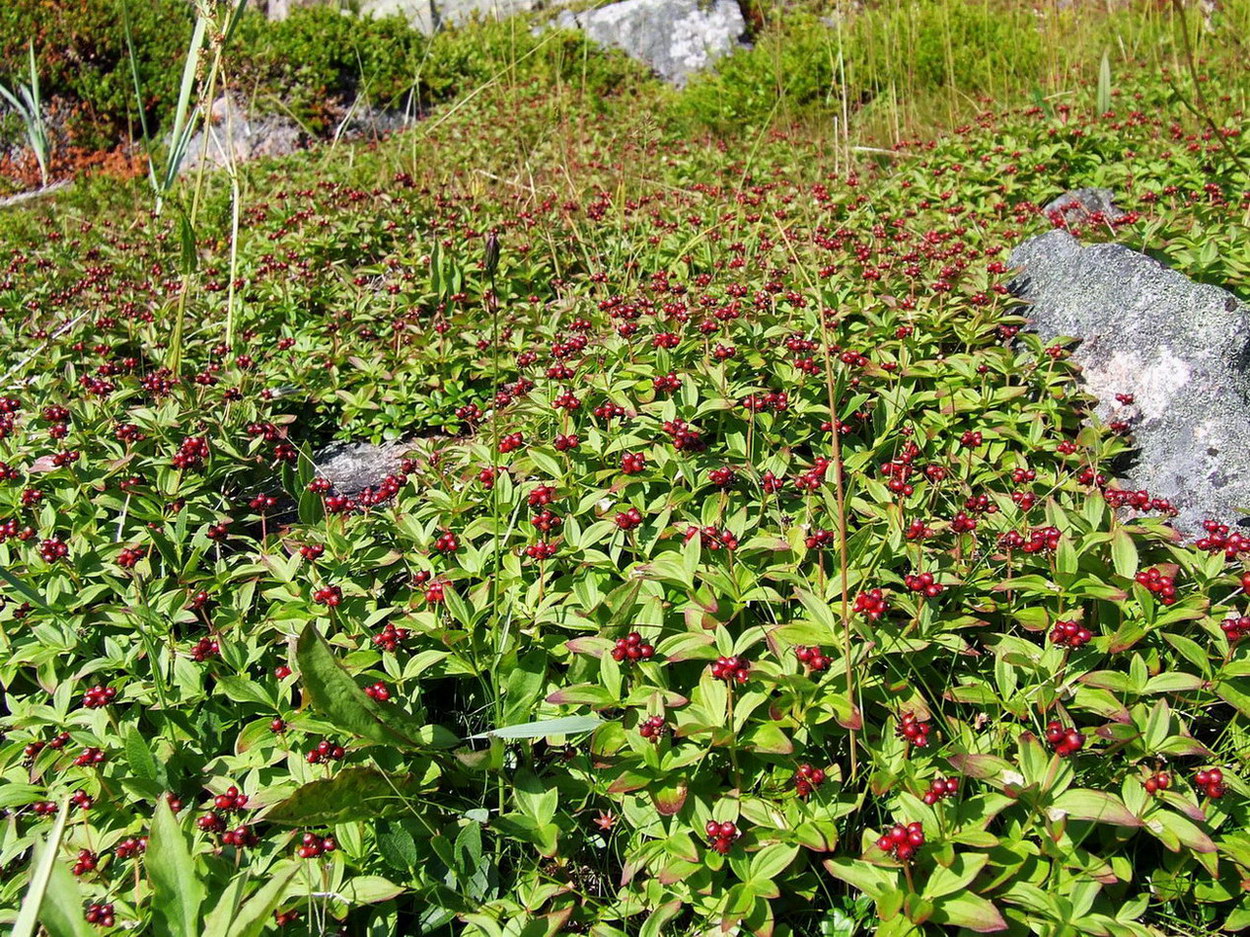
point(812, 657)
point(723, 477)
point(511, 442)
point(241, 837)
point(378, 691)
point(203, 649)
point(329, 596)
point(711, 538)
point(923, 583)
point(1211, 782)
point(1220, 540)
point(325, 751)
point(447, 543)
point(1070, 634)
point(1235, 628)
point(633, 463)
point(101, 915)
point(807, 779)
point(313, 846)
point(98, 697)
point(818, 538)
point(912, 730)
point(632, 647)
point(53, 549)
point(129, 557)
point(231, 801)
point(90, 756)
point(652, 728)
point(1063, 741)
point(871, 604)
point(542, 550)
point(191, 454)
point(131, 847)
point(939, 789)
point(1159, 781)
point(85, 862)
point(731, 669)
point(721, 836)
point(628, 520)
point(390, 637)
point(35, 747)
point(902, 841)
point(1162, 586)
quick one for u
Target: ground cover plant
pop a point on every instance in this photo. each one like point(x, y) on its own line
point(752, 569)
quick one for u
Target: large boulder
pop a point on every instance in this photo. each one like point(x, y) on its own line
point(235, 133)
point(674, 37)
point(1181, 348)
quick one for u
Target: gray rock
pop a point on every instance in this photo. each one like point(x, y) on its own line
point(234, 130)
point(1181, 348)
point(431, 15)
point(353, 466)
point(674, 37)
point(1078, 206)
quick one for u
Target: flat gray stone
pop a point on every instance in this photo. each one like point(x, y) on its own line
point(1081, 206)
point(352, 467)
point(676, 38)
point(236, 133)
point(1181, 348)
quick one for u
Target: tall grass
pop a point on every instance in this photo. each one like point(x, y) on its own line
point(28, 105)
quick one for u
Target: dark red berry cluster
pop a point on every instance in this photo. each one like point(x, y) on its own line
point(912, 730)
point(632, 647)
point(131, 847)
point(85, 862)
point(939, 789)
point(1064, 741)
point(1162, 586)
point(1220, 540)
point(902, 841)
point(924, 583)
point(191, 454)
point(378, 691)
point(313, 846)
point(1211, 782)
point(721, 836)
point(390, 637)
point(628, 520)
point(1070, 634)
point(807, 779)
point(1159, 781)
point(325, 751)
point(241, 837)
point(1235, 628)
point(731, 669)
point(633, 463)
point(98, 697)
point(871, 604)
point(329, 596)
point(712, 538)
point(652, 728)
point(101, 915)
point(203, 649)
point(812, 657)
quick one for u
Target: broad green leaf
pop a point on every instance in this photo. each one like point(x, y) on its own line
point(1099, 806)
point(357, 793)
point(565, 725)
point(970, 911)
point(177, 892)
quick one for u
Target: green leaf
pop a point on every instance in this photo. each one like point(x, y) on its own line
point(139, 756)
point(865, 876)
point(61, 912)
point(358, 793)
point(970, 911)
point(948, 880)
point(249, 918)
point(334, 693)
point(177, 892)
point(42, 870)
point(771, 861)
point(1123, 553)
point(1098, 806)
point(565, 725)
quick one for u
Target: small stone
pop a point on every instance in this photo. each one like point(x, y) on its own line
point(1181, 348)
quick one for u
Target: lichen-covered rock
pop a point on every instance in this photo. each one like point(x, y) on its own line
point(235, 131)
point(352, 467)
point(1081, 206)
point(1181, 348)
point(674, 37)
